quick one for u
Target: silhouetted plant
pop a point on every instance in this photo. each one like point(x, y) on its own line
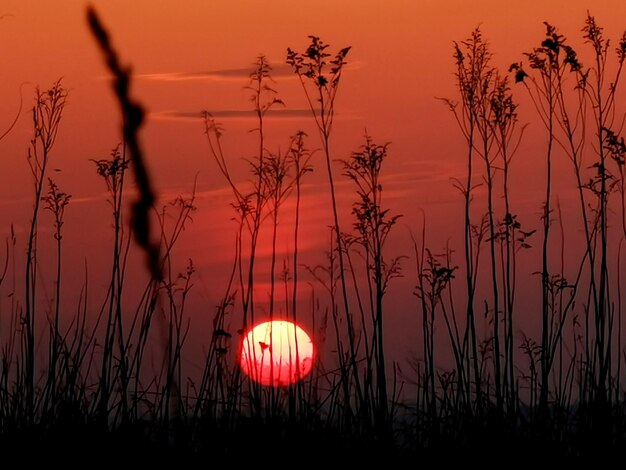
point(320, 76)
point(47, 113)
point(501, 121)
point(471, 58)
point(553, 64)
point(113, 171)
point(249, 206)
point(434, 277)
point(601, 93)
point(177, 288)
point(561, 391)
point(55, 201)
point(299, 157)
point(275, 175)
point(372, 228)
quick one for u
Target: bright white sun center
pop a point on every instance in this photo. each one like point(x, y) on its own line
point(276, 353)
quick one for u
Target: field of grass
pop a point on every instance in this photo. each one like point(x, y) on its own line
point(87, 380)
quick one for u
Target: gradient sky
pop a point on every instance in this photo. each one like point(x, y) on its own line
point(195, 55)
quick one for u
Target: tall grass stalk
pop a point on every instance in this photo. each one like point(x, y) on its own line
point(47, 113)
point(55, 201)
point(372, 226)
point(572, 99)
point(320, 78)
point(472, 74)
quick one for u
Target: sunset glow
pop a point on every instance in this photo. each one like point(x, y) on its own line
point(412, 210)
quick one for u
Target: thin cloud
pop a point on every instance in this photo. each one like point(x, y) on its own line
point(278, 71)
point(233, 114)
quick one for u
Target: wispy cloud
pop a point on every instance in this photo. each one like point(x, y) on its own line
point(232, 114)
point(279, 71)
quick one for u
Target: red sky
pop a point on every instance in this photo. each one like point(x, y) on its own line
point(401, 60)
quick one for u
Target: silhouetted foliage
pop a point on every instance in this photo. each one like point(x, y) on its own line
point(119, 378)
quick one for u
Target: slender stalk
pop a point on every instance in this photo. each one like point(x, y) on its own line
point(312, 67)
point(47, 113)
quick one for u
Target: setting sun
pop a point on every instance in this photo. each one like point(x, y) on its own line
point(276, 353)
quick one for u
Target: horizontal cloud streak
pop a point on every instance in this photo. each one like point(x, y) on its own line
point(278, 70)
point(299, 113)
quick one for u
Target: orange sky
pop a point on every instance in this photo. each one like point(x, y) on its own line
point(401, 59)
